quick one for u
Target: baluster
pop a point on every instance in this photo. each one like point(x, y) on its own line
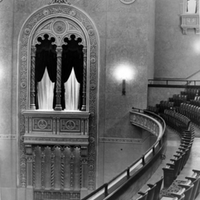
point(58, 78)
point(52, 170)
point(42, 169)
point(33, 169)
point(29, 159)
point(62, 170)
point(83, 108)
point(72, 168)
point(32, 88)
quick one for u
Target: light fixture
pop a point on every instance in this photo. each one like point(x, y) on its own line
point(124, 71)
point(123, 87)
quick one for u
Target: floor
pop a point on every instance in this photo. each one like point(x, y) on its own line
point(193, 162)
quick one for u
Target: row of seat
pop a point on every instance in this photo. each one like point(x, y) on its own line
point(164, 105)
point(183, 126)
point(153, 192)
point(190, 111)
point(191, 93)
point(176, 164)
point(195, 101)
point(176, 120)
point(187, 189)
point(178, 99)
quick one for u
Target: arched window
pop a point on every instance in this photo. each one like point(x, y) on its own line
point(58, 65)
point(58, 69)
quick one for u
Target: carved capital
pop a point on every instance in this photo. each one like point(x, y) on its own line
point(33, 51)
point(59, 51)
point(29, 150)
point(84, 151)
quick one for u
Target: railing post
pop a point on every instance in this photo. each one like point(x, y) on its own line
point(143, 160)
point(106, 189)
point(153, 150)
point(128, 173)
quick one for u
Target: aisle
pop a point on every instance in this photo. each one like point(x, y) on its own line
point(173, 141)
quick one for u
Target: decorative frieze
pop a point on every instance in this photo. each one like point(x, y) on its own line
point(56, 195)
point(70, 128)
point(144, 122)
point(119, 140)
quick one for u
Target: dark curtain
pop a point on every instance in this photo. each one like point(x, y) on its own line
point(72, 57)
point(45, 58)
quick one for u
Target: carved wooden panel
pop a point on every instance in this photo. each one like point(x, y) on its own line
point(190, 21)
point(29, 132)
point(57, 168)
point(56, 195)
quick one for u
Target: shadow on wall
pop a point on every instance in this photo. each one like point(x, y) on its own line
point(122, 128)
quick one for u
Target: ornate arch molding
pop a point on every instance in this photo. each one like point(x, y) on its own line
point(83, 21)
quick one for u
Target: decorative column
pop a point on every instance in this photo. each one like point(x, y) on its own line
point(62, 170)
point(83, 108)
point(29, 168)
point(32, 89)
point(43, 169)
point(72, 157)
point(58, 78)
point(52, 170)
point(84, 171)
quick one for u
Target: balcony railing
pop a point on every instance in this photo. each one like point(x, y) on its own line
point(150, 122)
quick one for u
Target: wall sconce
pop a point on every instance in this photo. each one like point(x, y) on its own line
point(124, 71)
point(123, 87)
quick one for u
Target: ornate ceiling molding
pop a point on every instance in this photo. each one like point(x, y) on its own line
point(127, 1)
point(58, 1)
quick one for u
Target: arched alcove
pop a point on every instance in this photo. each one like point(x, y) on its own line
point(40, 131)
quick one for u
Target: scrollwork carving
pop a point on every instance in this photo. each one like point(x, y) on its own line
point(59, 2)
point(55, 9)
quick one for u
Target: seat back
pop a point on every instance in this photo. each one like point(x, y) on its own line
point(143, 197)
point(158, 188)
point(151, 192)
point(188, 192)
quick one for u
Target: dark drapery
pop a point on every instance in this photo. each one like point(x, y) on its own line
point(72, 57)
point(45, 58)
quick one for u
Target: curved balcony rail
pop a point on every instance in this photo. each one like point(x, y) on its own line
point(173, 81)
point(153, 124)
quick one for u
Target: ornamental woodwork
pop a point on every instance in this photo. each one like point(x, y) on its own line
point(32, 86)
point(189, 20)
point(58, 79)
point(52, 136)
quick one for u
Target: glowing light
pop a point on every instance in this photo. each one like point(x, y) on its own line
point(125, 71)
point(197, 46)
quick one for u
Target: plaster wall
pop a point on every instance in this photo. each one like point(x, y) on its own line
point(176, 55)
point(8, 150)
point(115, 154)
point(126, 37)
